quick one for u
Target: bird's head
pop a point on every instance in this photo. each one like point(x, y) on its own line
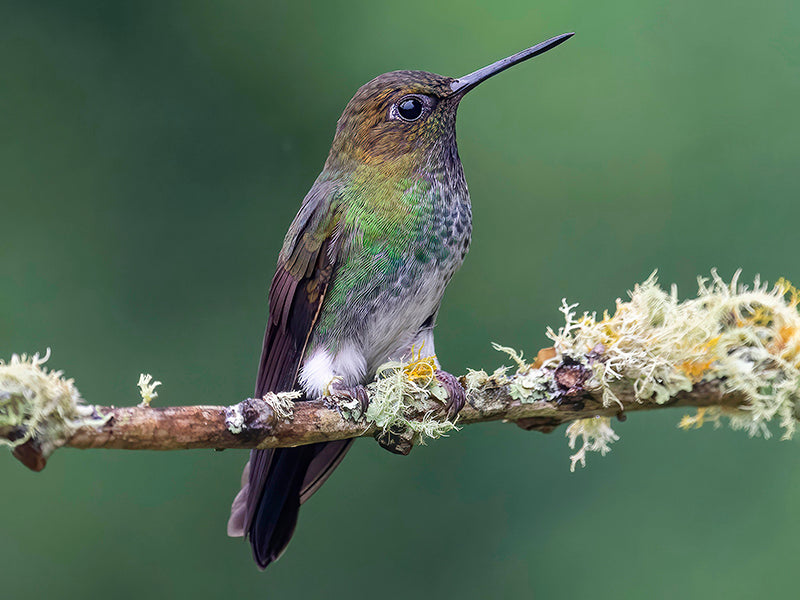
point(407, 114)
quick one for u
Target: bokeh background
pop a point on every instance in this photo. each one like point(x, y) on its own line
point(152, 155)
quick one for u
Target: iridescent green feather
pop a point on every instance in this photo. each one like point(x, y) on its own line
point(388, 230)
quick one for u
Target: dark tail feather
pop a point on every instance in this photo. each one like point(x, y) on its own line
point(275, 483)
point(326, 458)
point(275, 515)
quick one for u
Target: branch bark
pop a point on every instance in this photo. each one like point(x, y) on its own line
point(691, 354)
point(253, 423)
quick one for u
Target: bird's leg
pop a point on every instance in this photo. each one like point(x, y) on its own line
point(395, 441)
point(456, 396)
point(423, 342)
point(337, 389)
point(401, 442)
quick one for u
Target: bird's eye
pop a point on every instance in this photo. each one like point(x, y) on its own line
point(409, 108)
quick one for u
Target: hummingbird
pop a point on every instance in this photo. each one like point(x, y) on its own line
point(361, 275)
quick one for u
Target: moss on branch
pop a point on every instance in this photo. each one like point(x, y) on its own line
point(732, 352)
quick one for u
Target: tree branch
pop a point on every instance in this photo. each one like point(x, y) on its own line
point(729, 352)
point(255, 423)
point(258, 425)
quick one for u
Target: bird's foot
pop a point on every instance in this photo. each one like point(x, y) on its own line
point(401, 441)
point(352, 395)
point(456, 396)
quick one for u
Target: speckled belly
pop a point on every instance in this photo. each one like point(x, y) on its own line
point(377, 317)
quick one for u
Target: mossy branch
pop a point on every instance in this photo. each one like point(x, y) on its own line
point(731, 352)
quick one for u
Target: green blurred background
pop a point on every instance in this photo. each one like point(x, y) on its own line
point(152, 155)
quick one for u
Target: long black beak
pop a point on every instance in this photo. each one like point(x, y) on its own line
point(464, 84)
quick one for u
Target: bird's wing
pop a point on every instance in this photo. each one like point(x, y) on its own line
point(305, 266)
point(276, 480)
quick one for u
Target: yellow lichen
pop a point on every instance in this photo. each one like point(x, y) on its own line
point(400, 398)
point(421, 370)
point(703, 414)
point(785, 287)
point(697, 368)
point(745, 338)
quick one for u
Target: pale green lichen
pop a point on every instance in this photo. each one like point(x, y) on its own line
point(234, 419)
point(745, 338)
point(400, 399)
point(282, 404)
point(528, 384)
point(39, 404)
point(147, 389)
point(475, 380)
point(596, 436)
point(516, 356)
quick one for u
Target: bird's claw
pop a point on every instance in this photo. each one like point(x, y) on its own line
point(456, 396)
point(356, 392)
